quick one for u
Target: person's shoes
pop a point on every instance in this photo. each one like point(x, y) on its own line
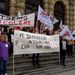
point(64, 65)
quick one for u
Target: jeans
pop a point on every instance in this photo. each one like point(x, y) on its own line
point(35, 58)
point(3, 64)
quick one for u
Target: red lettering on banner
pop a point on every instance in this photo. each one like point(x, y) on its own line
point(11, 22)
point(20, 22)
point(27, 22)
point(14, 22)
point(4, 22)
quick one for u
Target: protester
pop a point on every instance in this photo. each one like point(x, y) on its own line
point(4, 46)
point(10, 36)
point(35, 57)
point(24, 29)
point(46, 31)
point(17, 28)
point(63, 51)
point(60, 42)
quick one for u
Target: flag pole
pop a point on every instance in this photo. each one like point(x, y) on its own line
point(13, 59)
point(59, 53)
point(13, 63)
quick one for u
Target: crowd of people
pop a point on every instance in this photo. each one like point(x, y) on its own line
point(6, 46)
point(67, 47)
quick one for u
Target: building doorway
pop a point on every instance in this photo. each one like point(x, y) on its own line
point(4, 9)
point(59, 12)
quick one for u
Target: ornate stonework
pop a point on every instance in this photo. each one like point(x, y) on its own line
point(19, 5)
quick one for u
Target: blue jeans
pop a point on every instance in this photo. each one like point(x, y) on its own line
point(3, 64)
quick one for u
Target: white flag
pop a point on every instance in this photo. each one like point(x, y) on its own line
point(53, 19)
point(19, 14)
point(66, 33)
point(61, 25)
point(73, 32)
point(44, 18)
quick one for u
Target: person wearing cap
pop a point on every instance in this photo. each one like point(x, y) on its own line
point(4, 46)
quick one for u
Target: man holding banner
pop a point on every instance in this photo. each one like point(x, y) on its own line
point(63, 51)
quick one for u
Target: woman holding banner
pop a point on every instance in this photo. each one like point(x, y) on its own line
point(4, 46)
point(35, 57)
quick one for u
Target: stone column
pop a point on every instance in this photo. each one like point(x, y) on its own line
point(12, 7)
point(74, 16)
point(71, 14)
point(46, 5)
point(20, 6)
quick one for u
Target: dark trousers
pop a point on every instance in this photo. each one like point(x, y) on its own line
point(62, 59)
point(11, 50)
point(70, 50)
point(35, 58)
point(2, 66)
point(61, 54)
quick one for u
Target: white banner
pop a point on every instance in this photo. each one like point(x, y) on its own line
point(28, 43)
point(53, 19)
point(44, 18)
point(66, 33)
point(24, 20)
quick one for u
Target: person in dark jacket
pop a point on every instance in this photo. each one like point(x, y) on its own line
point(10, 35)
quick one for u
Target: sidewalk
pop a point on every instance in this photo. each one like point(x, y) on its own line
point(72, 72)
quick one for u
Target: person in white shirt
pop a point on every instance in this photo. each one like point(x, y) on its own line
point(63, 51)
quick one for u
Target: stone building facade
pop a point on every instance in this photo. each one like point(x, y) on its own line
point(61, 9)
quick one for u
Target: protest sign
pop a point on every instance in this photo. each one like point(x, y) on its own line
point(28, 43)
point(24, 20)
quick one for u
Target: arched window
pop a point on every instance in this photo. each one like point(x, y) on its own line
point(59, 11)
point(32, 6)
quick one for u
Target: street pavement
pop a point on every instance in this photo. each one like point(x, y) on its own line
point(72, 72)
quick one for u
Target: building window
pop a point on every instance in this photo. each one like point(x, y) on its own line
point(4, 7)
point(32, 6)
point(59, 13)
